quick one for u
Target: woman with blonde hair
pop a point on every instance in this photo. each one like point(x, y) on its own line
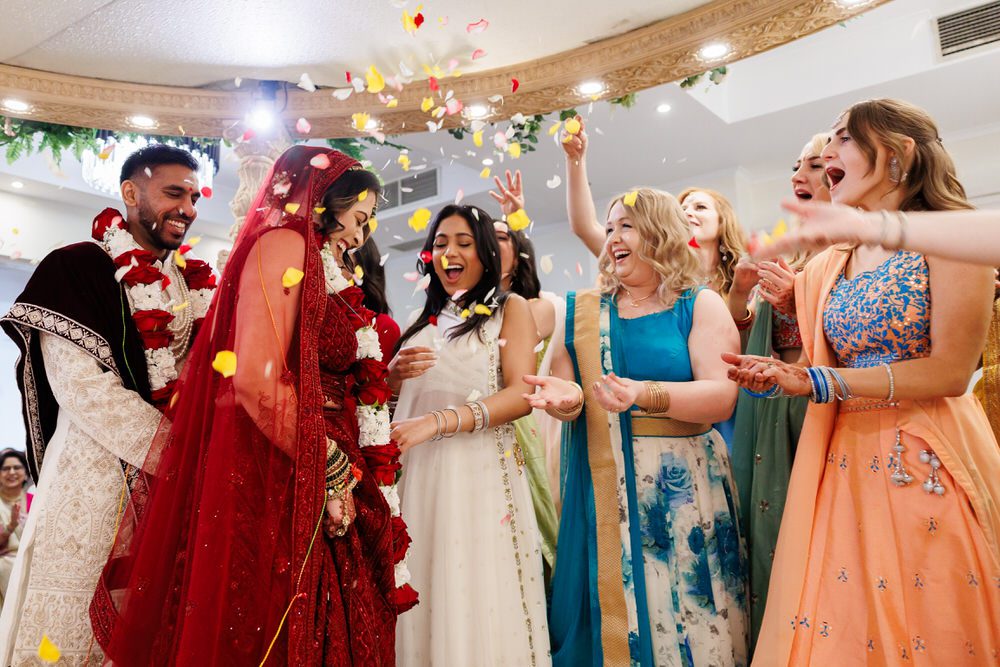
point(654, 567)
point(889, 549)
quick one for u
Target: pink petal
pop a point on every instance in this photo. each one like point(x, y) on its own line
point(477, 27)
point(477, 54)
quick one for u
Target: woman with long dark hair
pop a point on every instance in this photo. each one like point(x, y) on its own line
point(475, 555)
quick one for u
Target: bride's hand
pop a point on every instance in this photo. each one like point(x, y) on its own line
point(411, 432)
point(760, 374)
point(335, 509)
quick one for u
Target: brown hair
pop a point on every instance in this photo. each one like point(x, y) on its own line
point(928, 178)
point(664, 231)
point(732, 240)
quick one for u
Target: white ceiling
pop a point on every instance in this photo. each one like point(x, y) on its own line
point(194, 43)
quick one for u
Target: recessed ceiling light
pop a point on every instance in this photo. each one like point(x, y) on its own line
point(477, 111)
point(17, 185)
point(714, 51)
point(663, 108)
point(850, 4)
point(487, 162)
point(17, 106)
point(260, 118)
point(590, 88)
point(144, 122)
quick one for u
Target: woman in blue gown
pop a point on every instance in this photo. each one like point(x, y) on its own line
point(650, 566)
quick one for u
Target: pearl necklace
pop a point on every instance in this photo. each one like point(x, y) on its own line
point(182, 335)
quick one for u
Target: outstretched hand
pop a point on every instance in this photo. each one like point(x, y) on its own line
point(511, 196)
point(821, 224)
point(552, 392)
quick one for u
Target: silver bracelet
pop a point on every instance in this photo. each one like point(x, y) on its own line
point(845, 389)
point(892, 383)
point(457, 428)
point(486, 414)
point(477, 416)
point(438, 419)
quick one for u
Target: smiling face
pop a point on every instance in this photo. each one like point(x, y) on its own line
point(703, 217)
point(854, 180)
point(508, 262)
point(456, 262)
point(12, 473)
point(161, 206)
point(808, 176)
point(354, 226)
point(622, 246)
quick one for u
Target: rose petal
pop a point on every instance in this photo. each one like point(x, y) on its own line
point(291, 277)
point(514, 85)
point(302, 126)
point(459, 196)
point(420, 219)
point(553, 182)
point(47, 651)
point(630, 198)
point(545, 262)
point(477, 54)
point(477, 27)
point(225, 363)
point(206, 192)
point(518, 220)
point(573, 126)
point(306, 83)
point(485, 173)
point(321, 161)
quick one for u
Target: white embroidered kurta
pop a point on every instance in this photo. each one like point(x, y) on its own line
point(72, 523)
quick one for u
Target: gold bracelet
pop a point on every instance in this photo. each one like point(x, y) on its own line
point(575, 411)
point(659, 398)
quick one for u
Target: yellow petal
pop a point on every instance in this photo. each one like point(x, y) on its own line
point(181, 306)
point(363, 195)
point(780, 229)
point(173, 399)
point(291, 277)
point(518, 220)
point(404, 161)
point(629, 199)
point(444, 262)
point(359, 272)
point(477, 138)
point(194, 240)
point(514, 150)
point(360, 121)
point(292, 209)
point(319, 210)
point(465, 314)
point(765, 239)
point(48, 651)
point(419, 220)
point(392, 104)
point(485, 173)
point(573, 126)
point(373, 223)
point(179, 260)
point(225, 363)
point(376, 82)
point(409, 25)
point(426, 104)
point(555, 128)
point(482, 309)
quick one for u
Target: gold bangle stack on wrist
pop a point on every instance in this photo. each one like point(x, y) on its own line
point(575, 411)
point(659, 398)
point(340, 477)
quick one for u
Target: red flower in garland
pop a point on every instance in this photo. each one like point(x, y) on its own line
point(383, 462)
point(405, 598)
point(104, 221)
point(198, 274)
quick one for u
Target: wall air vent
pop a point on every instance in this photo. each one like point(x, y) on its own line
point(969, 29)
point(410, 189)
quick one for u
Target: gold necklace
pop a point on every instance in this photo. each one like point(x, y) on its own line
point(635, 302)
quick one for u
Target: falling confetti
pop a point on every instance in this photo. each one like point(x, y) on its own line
point(477, 138)
point(422, 283)
point(359, 273)
point(292, 208)
point(193, 241)
point(306, 83)
point(179, 260)
point(302, 126)
point(411, 276)
point(47, 651)
point(694, 243)
point(546, 263)
point(321, 161)
point(206, 192)
point(412, 23)
point(573, 126)
point(444, 262)
point(433, 83)
point(780, 229)
point(482, 309)
point(630, 198)
point(181, 306)
point(419, 220)
point(426, 104)
point(291, 277)
point(515, 150)
point(579, 268)
point(376, 82)
point(453, 106)
point(553, 182)
point(514, 85)
point(360, 121)
point(319, 210)
point(425, 256)
point(518, 220)
point(477, 27)
point(404, 161)
point(464, 314)
point(342, 93)
point(372, 224)
point(363, 195)
point(225, 363)
point(238, 81)
point(478, 53)
point(485, 173)
point(383, 259)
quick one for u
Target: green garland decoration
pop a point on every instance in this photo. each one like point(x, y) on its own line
point(716, 75)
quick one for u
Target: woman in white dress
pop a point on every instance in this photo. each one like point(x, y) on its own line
point(475, 557)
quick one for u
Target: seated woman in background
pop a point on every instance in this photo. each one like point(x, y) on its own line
point(13, 510)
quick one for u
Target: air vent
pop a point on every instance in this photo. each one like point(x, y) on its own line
point(969, 29)
point(421, 185)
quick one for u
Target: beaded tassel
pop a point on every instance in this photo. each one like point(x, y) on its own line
point(899, 476)
point(933, 482)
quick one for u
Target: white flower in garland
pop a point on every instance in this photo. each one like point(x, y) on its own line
point(368, 344)
point(161, 366)
point(373, 426)
point(200, 299)
point(332, 271)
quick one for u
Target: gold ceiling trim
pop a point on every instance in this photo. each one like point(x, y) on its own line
point(655, 54)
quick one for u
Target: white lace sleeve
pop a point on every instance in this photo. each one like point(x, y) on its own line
point(95, 400)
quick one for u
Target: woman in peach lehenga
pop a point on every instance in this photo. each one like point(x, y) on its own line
point(888, 551)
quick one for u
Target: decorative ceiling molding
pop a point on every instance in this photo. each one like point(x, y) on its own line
point(658, 53)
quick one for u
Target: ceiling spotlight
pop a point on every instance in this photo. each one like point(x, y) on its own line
point(477, 111)
point(590, 88)
point(663, 108)
point(17, 106)
point(17, 185)
point(487, 162)
point(145, 122)
point(261, 117)
point(714, 51)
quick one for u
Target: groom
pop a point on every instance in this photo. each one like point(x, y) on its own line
point(102, 328)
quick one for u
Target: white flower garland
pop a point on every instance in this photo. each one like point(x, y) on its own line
point(373, 420)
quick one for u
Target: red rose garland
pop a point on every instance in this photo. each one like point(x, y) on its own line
point(140, 271)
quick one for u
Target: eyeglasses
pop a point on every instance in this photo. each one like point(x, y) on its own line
point(12, 469)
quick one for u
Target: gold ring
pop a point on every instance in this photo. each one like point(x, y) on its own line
point(340, 532)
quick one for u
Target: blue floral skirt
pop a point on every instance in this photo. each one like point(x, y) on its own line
point(693, 555)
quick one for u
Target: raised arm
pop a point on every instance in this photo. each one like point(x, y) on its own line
point(579, 200)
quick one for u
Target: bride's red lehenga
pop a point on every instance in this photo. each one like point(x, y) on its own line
point(220, 557)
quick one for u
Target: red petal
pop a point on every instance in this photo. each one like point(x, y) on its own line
point(426, 257)
point(514, 85)
point(348, 77)
point(165, 283)
point(248, 135)
point(693, 243)
point(433, 319)
point(418, 20)
point(206, 192)
point(184, 249)
point(433, 84)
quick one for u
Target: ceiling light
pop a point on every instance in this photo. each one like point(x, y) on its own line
point(144, 122)
point(17, 185)
point(261, 117)
point(850, 4)
point(477, 111)
point(17, 106)
point(590, 88)
point(714, 51)
point(663, 108)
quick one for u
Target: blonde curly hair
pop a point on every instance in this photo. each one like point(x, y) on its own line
point(663, 229)
point(732, 240)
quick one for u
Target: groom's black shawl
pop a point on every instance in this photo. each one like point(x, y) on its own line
point(72, 294)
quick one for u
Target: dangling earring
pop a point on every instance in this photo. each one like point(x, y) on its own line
point(894, 170)
point(723, 255)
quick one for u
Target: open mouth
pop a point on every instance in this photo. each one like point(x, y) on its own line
point(835, 175)
point(177, 226)
point(802, 194)
point(453, 273)
point(620, 254)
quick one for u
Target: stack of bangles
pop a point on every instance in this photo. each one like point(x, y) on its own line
point(659, 398)
point(573, 412)
point(480, 420)
point(828, 385)
point(341, 476)
point(746, 322)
